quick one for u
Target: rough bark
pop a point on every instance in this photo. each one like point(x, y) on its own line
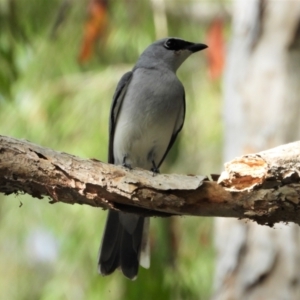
point(263, 187)
point(261, 110)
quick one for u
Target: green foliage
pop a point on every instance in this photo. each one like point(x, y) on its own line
point(50, 251)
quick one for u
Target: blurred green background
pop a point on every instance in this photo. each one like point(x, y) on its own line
point(57, 95)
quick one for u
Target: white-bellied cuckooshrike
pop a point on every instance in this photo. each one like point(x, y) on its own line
point(147, 113)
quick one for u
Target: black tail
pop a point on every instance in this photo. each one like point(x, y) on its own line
point(121, 244)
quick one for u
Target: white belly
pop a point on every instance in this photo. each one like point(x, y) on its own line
point(141, 144)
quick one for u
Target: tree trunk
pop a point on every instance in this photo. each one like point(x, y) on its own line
point(261, 110)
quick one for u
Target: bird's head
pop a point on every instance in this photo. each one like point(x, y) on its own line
point(170, 52)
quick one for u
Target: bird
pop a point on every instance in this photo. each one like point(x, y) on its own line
point(147, 113)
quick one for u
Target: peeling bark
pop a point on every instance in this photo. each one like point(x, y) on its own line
point(263, 187)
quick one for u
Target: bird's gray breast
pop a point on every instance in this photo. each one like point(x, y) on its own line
point(147, 117)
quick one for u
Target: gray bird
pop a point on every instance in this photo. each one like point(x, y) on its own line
point(147, 113)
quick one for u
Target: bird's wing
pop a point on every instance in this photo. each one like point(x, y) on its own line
point(114, 111)
point(177, 128)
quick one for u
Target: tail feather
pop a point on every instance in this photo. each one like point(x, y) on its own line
point(111, 264)
point(110, 248)
point(122, 244)
point(129, 260)
point(145, 246)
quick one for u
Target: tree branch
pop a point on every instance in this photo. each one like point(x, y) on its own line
point(263, 187)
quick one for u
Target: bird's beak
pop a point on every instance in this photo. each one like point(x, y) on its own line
point(196, 47)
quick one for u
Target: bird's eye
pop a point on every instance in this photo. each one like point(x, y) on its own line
point(170, 44)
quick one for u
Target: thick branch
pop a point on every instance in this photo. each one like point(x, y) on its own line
point(263, 187)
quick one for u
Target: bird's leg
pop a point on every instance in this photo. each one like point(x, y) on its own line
point(128, 166)
point(154, 168)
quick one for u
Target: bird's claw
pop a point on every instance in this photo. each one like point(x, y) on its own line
point(154, 169)
point(125, 165)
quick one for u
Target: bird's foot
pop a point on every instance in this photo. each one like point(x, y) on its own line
point(154, 169)
point(125, 165)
